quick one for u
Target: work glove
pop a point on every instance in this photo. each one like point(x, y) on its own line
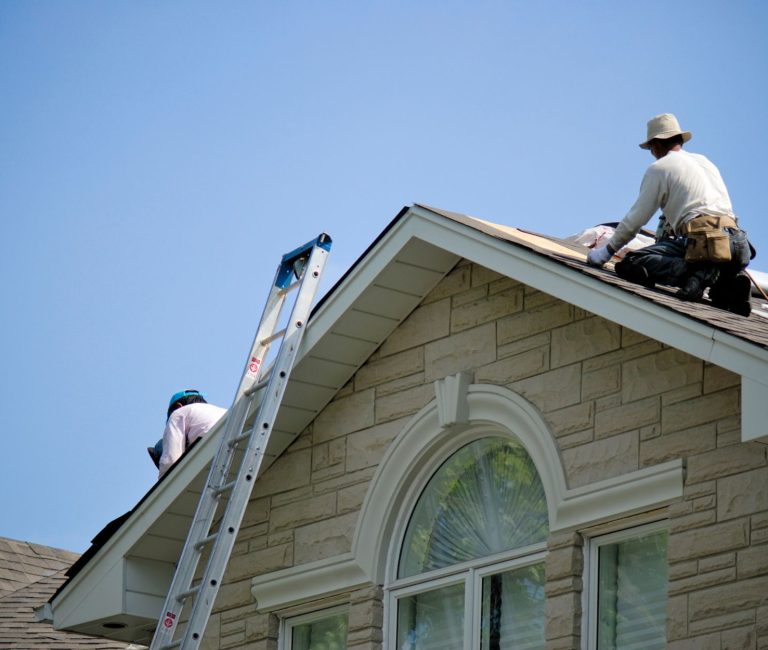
point(599, 256)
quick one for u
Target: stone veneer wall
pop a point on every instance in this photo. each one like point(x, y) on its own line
point(615, 401)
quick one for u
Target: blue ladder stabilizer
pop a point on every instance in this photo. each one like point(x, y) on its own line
point(283, 278)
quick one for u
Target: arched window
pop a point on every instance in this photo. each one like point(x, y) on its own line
point(470, 573)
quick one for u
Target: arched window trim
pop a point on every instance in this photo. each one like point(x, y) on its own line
point(481, 410)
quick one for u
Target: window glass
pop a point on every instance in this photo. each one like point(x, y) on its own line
point(632, 593)
point(328, 633)
point(432, 620)
point(485, 499)
point(513, 613)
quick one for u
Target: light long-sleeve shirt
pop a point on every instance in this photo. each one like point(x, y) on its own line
point(186, 425)
point(683, 185)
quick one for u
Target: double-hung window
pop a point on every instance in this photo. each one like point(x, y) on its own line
point(324, 630)
point(470, 574)
point(628, 580)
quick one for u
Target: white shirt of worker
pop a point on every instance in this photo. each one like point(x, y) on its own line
point(186, 425)
point(684, 185)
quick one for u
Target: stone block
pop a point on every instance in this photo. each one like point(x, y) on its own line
point(725, 622)
point(564, 562)
point(535, 298)
point(513, 368)
point(466, 350)
point(326, 538)
point(563, 615)
point(601, 459)
point(485, 309)
point(262, 626)
point(344, 415)
point(234, 594)
point(742, 494)
point(675, 395)
point(575, 439)
point(600, 382)
point(704, 503)
point(261, 561)
point(351, 498)
point(717, 539)
point(753, 562)
point(338, 482)
point(680, 570)
point(584, 339)
point(701, 581)
point(658, 373)
point(627, 417)
point(365, 448)
point(571, 419)
point(680, 444)
point(483, 275)
point(695, 490)
point(552, 390)
point(303, 512)
point(456, 281)
point(742, 638)
point(717, 562)
point(396, 385)
point(722, 462)
point(524, 345)
point(389, 368)
point(289, 471)
point(534, 321)
point(404, 402)
point(701, 642)
point(717, 378)
point(694, 520)
point(621, 355)
point(630, 337)
point(467, 297)
point(426, 323)
point(677, 617)
point(734, 597)
point(691, 413)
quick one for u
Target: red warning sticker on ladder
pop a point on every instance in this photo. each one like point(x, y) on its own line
point(169, 619)
point(253, 365)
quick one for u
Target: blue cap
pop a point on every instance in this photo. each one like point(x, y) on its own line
point(183, 393)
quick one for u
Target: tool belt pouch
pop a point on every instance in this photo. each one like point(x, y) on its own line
point(707, 239)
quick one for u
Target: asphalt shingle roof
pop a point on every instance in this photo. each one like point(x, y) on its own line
point(29, 575)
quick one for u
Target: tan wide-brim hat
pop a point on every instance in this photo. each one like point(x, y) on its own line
point(664, 126)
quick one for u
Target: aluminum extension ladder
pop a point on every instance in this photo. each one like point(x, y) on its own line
point(229, 485)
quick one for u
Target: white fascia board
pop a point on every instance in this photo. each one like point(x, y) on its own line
point(643, 316)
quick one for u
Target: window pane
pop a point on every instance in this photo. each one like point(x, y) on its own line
point(513, 613)
point(328, 633)
point(632, 594)
point(433, 620)
point(485, 499)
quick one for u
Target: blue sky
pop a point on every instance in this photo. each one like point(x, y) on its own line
point(157, 158)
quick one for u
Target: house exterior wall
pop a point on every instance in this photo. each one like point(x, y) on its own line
point(615, 402)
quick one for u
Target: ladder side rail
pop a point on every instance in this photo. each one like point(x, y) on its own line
point(235, 510)
point(207, 505)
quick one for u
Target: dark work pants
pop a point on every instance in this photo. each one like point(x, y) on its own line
point(665, 262)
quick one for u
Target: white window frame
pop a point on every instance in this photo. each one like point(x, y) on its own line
point(285, 635)
point(593, 544)
point(471, 574)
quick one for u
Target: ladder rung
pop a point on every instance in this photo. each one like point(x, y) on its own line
point(175, 644)
point(206, 540)
point(286, 290)
point(255, 387)
point(186, 594)
point(236, 441)
point(274, 337)
point(224, 488)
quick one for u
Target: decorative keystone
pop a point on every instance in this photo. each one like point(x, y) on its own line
point(451, 394)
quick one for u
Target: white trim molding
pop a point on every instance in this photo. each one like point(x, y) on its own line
point(423, 443)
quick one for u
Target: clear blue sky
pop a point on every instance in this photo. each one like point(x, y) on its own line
point(156, 159)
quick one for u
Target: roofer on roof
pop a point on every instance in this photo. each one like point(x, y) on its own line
point(189, 418)
point(699, 243)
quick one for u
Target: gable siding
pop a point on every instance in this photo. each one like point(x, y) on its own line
point(614, 400)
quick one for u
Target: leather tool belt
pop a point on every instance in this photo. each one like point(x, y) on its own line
point(709, 238)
